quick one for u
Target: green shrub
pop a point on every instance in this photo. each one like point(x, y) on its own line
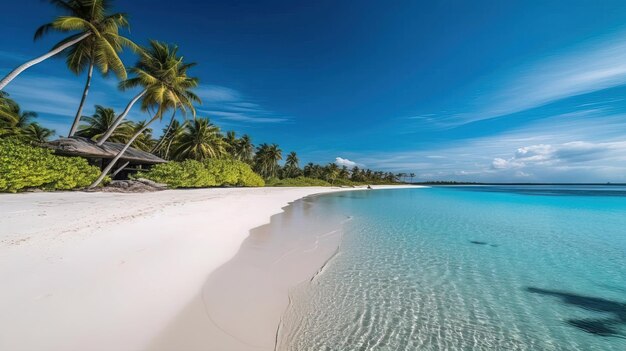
point(195, 174)
point(24, 166)
point(299, 181)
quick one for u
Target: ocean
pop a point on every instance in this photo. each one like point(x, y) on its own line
point(468, 268)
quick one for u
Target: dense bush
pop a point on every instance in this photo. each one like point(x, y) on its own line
point(24, 166)
point(299, 181)
point(195, 174)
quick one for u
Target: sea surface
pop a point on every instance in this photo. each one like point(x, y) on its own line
point(469, 268)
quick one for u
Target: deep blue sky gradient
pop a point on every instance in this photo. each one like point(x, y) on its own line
point(465, 90)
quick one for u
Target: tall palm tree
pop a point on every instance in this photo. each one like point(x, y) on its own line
point(200, 141)
point(244, 149)
point(95, 126)
point(266, 160)
point(163, 74)
point(100, 50)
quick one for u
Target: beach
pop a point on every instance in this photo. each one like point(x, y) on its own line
point(105, 271)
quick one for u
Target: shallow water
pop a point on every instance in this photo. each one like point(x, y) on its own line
point(469, 268)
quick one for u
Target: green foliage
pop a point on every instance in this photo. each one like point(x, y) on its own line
point(298, 181)
point(24, 166)
point(196, 174)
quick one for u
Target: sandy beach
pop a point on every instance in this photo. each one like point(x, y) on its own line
point(108, 271)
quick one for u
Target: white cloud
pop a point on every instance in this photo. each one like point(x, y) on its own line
point(227, 104)
point(345, 162)
point(590, 67)
point(216, 93)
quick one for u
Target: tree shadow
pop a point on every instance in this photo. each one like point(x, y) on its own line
point(611, 326)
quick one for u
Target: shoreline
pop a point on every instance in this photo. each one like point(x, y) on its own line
point(110, 271)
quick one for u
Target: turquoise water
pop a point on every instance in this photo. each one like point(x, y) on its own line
point(469, 268)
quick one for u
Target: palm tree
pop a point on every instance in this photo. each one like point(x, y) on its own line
point(164, 77)
point(100, 122)
point(231, 141)
point(97, 43)
point(171, 135)
point(17, 123)
point(291, 168)
point(292, 160)
point(35, 133)
point(144, 140)
point(100, 50)
point(200, 141)
point(71, 9)
point(153, 63)
point(244, 149)
point(266, 160)
point(344, 173)
point(331, 172)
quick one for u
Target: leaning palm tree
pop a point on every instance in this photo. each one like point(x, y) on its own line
point(97, 42)
point(266, 160)
point(167, 87)
point(200, 141)
point(71, 9)
point(95, 126)
point(151, 65)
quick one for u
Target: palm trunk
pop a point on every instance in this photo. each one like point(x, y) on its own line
point(14, 73)
point(119, 119)
point(79, 113)
point(169, 127)
point(167, 150)
point(119, 169)
point(108, 168)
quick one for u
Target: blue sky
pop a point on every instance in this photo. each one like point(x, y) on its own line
point(450, 90)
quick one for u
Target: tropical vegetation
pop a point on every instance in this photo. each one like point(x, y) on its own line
point(210, 172)
point(23, 166)
point(199, 153)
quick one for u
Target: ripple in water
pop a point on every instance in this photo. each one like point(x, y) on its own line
point(447, 269)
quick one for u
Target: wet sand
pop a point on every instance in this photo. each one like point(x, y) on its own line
point(241, 304)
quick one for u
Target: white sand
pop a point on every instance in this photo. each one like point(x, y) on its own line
point(108, 271)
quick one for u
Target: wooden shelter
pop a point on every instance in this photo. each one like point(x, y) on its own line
point(101, 155)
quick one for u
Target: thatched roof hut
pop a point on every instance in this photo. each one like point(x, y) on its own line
point(78, 146)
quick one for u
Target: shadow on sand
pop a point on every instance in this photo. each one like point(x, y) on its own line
point(612, 325)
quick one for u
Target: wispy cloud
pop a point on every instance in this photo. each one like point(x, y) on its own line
point(587, 68)
point(227, 104)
